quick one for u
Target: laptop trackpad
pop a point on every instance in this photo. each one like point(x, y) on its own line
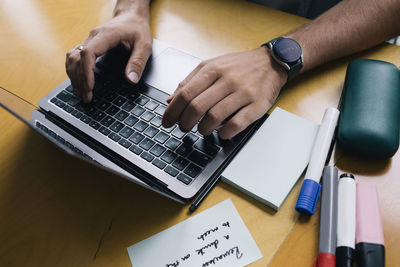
point(169, 68)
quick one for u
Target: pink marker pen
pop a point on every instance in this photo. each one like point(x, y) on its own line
point(370, 244)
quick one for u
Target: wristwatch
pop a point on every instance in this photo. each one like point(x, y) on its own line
point(287, 53)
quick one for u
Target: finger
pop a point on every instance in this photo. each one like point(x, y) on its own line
point(137, 61)
point(240, 121)
point(222, 110)
point(92, 48)
point(187, 79)
point(200, 82)
point(203, 103)
point(71, 65)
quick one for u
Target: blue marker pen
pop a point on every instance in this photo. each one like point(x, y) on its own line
point(310, 189)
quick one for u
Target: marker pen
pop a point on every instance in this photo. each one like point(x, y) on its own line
point(328, 218)
point(346, 225)
point(310, 189)
point(370, 244)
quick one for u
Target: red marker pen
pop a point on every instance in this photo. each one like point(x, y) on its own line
point(370, 244)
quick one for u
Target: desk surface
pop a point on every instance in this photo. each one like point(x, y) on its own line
point(58, 211)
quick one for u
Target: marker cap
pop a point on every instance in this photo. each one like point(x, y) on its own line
point(344, 256)
point(325, 260)
point(308, 197)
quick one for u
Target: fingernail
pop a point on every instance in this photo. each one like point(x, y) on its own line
point(133, 77)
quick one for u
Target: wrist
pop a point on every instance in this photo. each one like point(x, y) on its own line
point(272, 67)
point(138, 8)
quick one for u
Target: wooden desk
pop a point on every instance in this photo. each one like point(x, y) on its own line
point(58, 211)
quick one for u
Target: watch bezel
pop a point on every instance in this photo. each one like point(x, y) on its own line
point(288, 66)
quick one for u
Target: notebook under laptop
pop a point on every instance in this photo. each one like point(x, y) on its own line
point(121, 128)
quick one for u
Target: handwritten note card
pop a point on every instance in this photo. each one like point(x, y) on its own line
point(215, 237)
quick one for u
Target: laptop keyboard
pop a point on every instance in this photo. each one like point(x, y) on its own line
point(133, 120)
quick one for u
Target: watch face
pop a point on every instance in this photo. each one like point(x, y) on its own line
point(287, 50)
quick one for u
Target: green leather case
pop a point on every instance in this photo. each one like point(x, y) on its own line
point(370, 109)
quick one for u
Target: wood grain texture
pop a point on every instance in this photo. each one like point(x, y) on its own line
point(58, 211)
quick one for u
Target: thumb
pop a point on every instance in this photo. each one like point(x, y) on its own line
point(137, 61)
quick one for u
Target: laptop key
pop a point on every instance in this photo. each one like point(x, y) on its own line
point(152, 105)
point(171, 171)
point(94, 124)
point(142, 100)
point(122, 115)
point(53, 100)
point(107, 121)
point(60, 104)
point(95, 101)
point(168, 156)
point(99, 115)
point(138, 110)
point(168, 130)
point(85, 119)
point(119, 101)
point(115, 137)
point(128, 106)
point(148, 116)
point(147, 156)
point(131, 120)
point(160, 110)
point(126, 132)
point(184, 150)
point(161, 137)
point(178, 133)
point(103, 105)
point(209, 149)
point(151, 131)
point(110, 97)
point(76, 114)
point(192, 170)
point(104, 130)
point(172, 143)
point(136, 138)
point(190, 139)
point(90, 110)
point(125, 143)
point(195, 128)
point(117, 126)
point(156, 121)
point(159, 164)
point(146, 143)
point(133, 96)
point(157, 150)
point(68, 108)
point(199, 158)
point(180, 163)
point(141, 126)
point(70, 89)
point(112, 110)
point(73, 101)
point(136, 149)
point(64, 96)
point(184, 179)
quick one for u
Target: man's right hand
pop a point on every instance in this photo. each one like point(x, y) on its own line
point(128, 28)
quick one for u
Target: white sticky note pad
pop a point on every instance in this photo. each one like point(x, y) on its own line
point(215, 237)
point(271, 162)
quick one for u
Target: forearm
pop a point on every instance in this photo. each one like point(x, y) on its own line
point(141, 7)
point(348, 27)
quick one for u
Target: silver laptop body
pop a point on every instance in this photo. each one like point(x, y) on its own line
point(121, 131)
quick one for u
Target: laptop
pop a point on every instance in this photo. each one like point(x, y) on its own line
point(121, 130)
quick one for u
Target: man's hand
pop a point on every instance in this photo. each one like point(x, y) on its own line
point(244, 85)
point(128, 28)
